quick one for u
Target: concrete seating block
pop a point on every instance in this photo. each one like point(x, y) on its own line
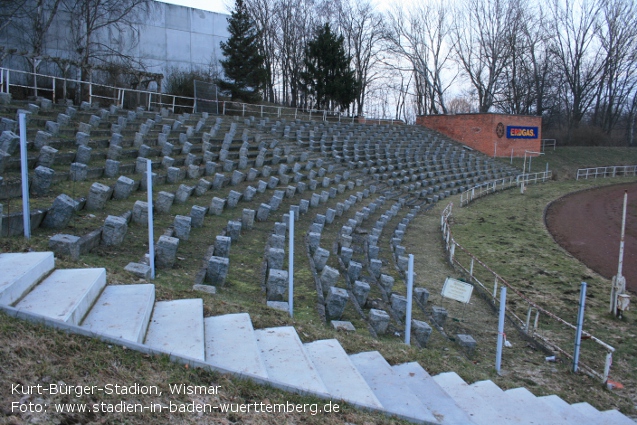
point(379, 320)
point(335, 303)
point(114, 230)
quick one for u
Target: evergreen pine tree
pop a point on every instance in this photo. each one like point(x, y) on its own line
point(243, 67)
point(327, 76)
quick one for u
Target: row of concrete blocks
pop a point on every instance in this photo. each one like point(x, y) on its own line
point(112, 233)
point(276, 284)
point(335, 298)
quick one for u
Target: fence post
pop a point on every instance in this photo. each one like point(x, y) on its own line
point(580, 323)
point(501, 334)
point(291, 265)
point(607, 363)
point(53, 96)
point(243, 109)
point(151, 236)
point(410, 288)
point(452, 251)
point(495, 287)
point(26, 208)
point(471, 268)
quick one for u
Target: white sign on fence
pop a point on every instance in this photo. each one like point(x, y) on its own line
point(457, 290)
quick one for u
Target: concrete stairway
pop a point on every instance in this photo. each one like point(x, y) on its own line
point(79, 300)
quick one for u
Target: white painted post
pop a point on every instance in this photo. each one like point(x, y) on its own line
point(609, 361)
point(528, 319)
point(26, 208)
point(471, 269)
point(151, 236)
point(410, 289)
point(495, 287)
point(291, 265)
point(619, 282)
point(498, 356)
point(452, 251)
point(580, 323)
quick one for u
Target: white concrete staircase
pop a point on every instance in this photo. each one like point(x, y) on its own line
point(79, 300)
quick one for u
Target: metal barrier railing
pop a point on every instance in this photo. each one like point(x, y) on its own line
point(607, 171)
point(120, 96)
point(493, 186)
point(518, 299)
point(548, 143)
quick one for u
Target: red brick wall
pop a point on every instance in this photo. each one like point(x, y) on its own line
point(478, 131)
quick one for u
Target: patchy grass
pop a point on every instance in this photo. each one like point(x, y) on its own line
point(507, 232)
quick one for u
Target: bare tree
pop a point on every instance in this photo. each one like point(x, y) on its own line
point(577, 54)
point(420, 38)
point(363, 29)
point(483, 34)
point(95, 24)
point(617, 33)
point(10, 11)
point(263, 13)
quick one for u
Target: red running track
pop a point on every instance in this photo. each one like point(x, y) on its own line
point(588, 225)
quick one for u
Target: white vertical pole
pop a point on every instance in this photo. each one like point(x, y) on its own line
point(580, 324)
point(291, 265)
point(151, 236)
point(26, 208)
point(410, 289)
point(622, 237)
point(498, 356)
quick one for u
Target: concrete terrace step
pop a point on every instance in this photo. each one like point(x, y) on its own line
point(231, 344)
point(615, 417)
point(20, 272)
point(122, 311)
point(594, 416)
point(498, 400)
point(431, 395)
point(475, 406)
point(564, 410)
point(540, 412)
point(392, 392)
point(286, 360)
point(65, 295)
point(177, 327)
point(340, 376)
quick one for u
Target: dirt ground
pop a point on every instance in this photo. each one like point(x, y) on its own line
point(588, 225)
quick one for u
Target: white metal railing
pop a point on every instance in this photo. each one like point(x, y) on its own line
point(10, 78)
point(548, 143)
point(608, 171)
point(493, 186)
point(516, 298)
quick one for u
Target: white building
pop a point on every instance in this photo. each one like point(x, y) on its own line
point(162, 38)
